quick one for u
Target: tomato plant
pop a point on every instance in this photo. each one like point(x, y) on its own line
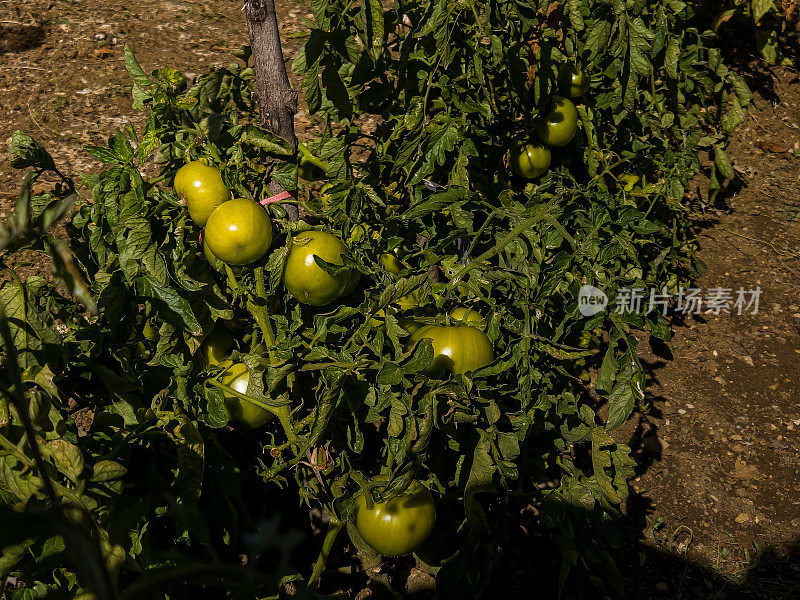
point(418, 103)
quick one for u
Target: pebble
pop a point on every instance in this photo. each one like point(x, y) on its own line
point(742, 518)
point(661, 586)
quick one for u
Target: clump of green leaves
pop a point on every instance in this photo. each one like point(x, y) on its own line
point(762, 17)
point(419, 103)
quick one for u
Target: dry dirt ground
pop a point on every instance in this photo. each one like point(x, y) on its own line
point(718, 443)
point(719, 446)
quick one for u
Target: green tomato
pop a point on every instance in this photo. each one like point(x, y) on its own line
point(528, 159)
point(237, 377)
point(216, 346)
point(558, 127)
point(393, 265)
point(457, 349)
point(238, 232)
point(572, 81)
point(399, 525)
point(143, 351)
point(465, 315)
point(305, 279)
point(405, 323)
point(202, 188)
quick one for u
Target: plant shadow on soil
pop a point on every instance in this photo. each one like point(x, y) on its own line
point(17, 37)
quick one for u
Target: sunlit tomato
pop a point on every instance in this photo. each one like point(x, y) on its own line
point(457, 349)
point(304, 278)
point(202, 188)
point(528, 159)
point(216, 346)
point(465, 315)
point(238, 232)
point(237, 377)
point(400, 525)
point(558, 127)
point(572, 81)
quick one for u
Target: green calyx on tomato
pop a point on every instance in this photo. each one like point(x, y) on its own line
point(458, 348)
point(305, 279)
point(559, 125)
point(238, 232)
point(528, 159)
point(399, 525)
point(217, 346)
point(202, 188)
point(237, 377)
point(572, 81)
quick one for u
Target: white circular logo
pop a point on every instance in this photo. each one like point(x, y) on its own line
point(591, 300)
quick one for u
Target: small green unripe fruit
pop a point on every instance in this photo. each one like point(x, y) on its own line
point(202, 188)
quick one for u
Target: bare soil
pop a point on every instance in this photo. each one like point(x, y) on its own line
point(718, 440)
point(719, 443)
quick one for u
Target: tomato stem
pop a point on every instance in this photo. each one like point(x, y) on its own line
point(259, 310)
point(494, 251)
point(334, 527)
point(307, 158)
point(492, 101)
